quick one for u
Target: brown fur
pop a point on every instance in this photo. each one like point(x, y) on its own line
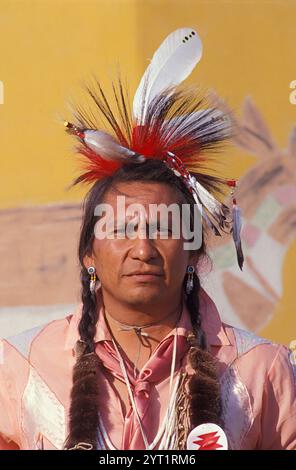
point(84, 402)
point(204, 389)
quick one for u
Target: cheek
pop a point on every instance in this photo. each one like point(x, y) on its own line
point(107, 259)
point(176, 258)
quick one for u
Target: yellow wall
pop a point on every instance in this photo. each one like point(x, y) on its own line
point(48, 46)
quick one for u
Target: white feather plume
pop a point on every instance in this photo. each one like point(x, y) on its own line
point(173, 61)
point(105, 145)
point(181, 124)
point(207, 199)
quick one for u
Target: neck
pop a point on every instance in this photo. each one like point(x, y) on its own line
point(141, 314)
point(129, 326)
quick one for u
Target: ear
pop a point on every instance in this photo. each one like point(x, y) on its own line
point(88, 261)
point(193, 258)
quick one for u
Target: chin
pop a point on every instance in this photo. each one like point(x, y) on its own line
point(142, 295)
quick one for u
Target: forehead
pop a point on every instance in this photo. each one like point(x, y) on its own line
point(144, 193)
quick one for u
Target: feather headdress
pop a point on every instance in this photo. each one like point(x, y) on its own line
point(169, 123)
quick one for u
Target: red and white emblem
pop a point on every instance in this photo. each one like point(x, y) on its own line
point(207, 436)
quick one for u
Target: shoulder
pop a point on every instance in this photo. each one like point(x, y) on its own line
point(258, 350)
point(263, 367)
point(19, 347)
point(246, 341)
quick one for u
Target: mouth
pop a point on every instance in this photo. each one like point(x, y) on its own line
point(145, 276)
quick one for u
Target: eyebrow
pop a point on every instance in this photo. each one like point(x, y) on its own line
point(179, 199)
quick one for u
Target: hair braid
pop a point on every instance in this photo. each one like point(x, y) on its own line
point(204, 387)
point(89, 318)
point(84, 420)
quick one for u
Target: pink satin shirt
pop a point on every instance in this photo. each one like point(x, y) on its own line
point(257, 385)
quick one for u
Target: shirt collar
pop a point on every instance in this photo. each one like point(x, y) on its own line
point(210, 321)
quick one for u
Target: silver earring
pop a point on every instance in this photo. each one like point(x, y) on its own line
point(189, 284)
point(93, 278)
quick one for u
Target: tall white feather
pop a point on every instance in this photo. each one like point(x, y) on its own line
point(173, 61)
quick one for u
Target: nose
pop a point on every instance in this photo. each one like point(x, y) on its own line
point(143, 249)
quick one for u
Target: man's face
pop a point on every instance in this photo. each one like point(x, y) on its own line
point(118, 259)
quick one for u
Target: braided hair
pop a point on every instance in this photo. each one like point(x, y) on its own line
point(205, 404)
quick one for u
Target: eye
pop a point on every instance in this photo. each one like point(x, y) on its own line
point(119, 230)
point(161, 228)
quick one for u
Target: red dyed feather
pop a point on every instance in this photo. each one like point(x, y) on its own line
point(95, 166)
point(177, 121)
